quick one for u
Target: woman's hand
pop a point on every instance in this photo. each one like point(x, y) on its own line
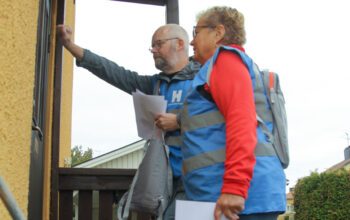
point(230, 205)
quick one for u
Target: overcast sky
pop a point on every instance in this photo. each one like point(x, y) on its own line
point(306, 42)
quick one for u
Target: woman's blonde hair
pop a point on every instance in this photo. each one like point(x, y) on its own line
point(232, 20)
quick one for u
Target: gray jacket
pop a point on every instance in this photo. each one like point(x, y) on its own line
point(128, 80)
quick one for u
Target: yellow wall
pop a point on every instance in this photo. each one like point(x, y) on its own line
point(18, 38)
point(18, 22)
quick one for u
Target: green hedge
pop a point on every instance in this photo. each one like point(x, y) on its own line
point(323, 196)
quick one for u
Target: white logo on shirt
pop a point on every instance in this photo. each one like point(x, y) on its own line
point(176, 96)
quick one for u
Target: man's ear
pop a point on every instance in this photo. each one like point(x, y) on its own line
point(220, 32)
point(181, 44)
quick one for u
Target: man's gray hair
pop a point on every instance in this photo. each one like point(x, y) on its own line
point(176, 30)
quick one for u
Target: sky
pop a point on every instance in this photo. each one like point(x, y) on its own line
point(305, 42)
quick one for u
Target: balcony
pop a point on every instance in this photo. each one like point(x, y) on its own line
point(110, 185)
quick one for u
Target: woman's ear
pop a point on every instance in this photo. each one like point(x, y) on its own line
point(220, 32)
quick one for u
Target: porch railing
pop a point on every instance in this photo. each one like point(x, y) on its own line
point(110, 184)
point(9, 201)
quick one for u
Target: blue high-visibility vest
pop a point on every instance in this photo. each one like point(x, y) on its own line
point(204, 142)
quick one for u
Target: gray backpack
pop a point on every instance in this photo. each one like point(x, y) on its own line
point(268, 83)
point(151, 187)
point(275, 99)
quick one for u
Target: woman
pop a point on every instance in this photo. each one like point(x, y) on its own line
point(223, 148)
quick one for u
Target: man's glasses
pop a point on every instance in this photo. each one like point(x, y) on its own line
point(194, 32)
point(159, 43)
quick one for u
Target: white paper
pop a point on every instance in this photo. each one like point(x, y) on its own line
point(147, 107)
point(185, 210)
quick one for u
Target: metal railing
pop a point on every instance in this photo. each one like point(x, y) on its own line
point(10, 202)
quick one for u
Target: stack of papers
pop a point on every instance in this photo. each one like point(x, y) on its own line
point(147, 107)
point(185, 210)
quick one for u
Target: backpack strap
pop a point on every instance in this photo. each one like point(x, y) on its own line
point(124, 204)
point(272, 85)
point(156, 89)
point(125, 201)
point(269, 80)
point(163, 204)
point(274, 96)
point(260, 83)
point(265, 129)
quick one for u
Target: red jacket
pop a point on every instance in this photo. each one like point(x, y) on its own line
point(232, 91)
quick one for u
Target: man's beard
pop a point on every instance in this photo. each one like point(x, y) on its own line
point(160, 63)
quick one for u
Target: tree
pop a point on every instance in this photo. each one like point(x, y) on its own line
point(79, 156)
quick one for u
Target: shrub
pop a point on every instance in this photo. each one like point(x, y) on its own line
point(323, 196)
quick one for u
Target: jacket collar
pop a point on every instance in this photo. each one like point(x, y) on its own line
point(186, 73)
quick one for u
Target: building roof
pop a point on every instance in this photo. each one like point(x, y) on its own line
point(112, 155)
point(340, 165)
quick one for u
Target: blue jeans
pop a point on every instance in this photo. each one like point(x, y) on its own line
point(259, 216)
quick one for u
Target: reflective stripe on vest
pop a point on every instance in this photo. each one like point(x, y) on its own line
point(203, 160)
point(174, 111)
point(189, 123)
point(173, 141)
point(219, 156)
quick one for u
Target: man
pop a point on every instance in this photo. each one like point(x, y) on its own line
point(170, 53)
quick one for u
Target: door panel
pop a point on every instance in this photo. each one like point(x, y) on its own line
point(36, 175)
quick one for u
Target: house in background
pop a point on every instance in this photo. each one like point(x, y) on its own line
point(343, 164)
point(289, 214)
point(127, 157)
point(290, 201)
